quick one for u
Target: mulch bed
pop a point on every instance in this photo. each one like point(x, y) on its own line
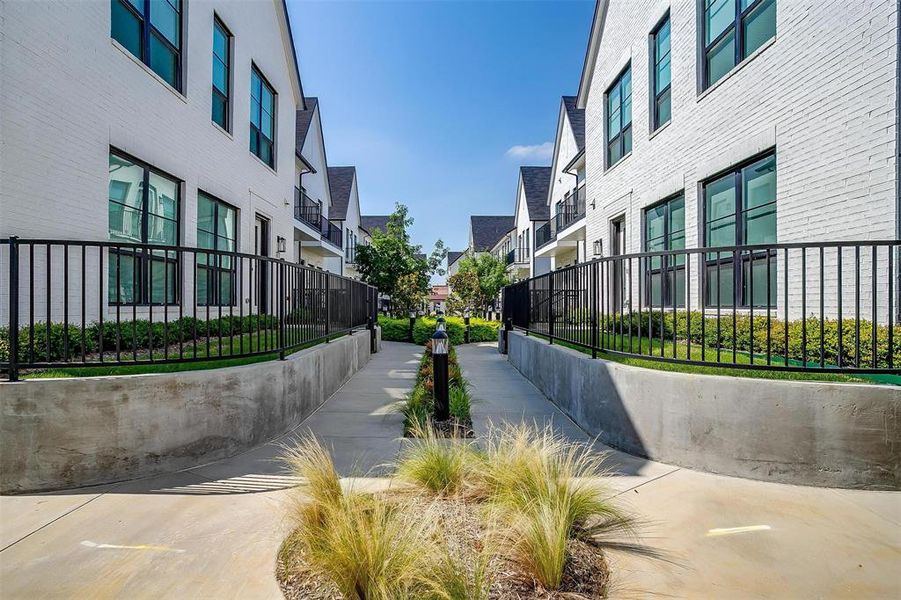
point(452, 429)
point(586, 574)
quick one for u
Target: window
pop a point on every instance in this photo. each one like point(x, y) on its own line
point(619, 117)
point(217, 224)
point(733, 30)
point(740, 209)
point(661, 109)
point(350, 246)
point(221, 75)
point(664, 229)
point(143, 209)
point(262, 118)
point(151, 30)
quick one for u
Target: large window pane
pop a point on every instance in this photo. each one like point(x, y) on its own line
point(719, 197)
point(763, 293)
point(718, 16)
point(163, 60)
point(758, 27)
point(164, 17)
point(663, 108)
point(759, 181)
point(163, 196)
point(126, 28)
point(219, 111)
point(721, 278)
point(121, 278)
point(721, 59)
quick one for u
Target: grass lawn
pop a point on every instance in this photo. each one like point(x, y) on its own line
point(224, 347)
point(695, 353)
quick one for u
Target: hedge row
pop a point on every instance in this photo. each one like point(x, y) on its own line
point(398, 330)
point(132, 335)
point(705, 330)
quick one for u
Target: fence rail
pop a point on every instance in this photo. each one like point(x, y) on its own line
point(827, 307)
point(86, 303)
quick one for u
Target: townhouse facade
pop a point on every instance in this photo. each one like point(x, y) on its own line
point(168, 123)
point(562, 240)
point(345, 212)
point(531, 214)
point(318, 239)
point(729, 123)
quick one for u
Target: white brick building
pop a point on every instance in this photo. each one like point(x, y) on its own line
point(165, 122)
point(791, 104)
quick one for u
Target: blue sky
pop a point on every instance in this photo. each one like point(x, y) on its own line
point(430, 100)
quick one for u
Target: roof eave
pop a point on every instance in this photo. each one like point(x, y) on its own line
point(591, 52)
point(578, 157)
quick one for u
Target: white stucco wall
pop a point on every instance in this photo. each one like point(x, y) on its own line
point(823, 93)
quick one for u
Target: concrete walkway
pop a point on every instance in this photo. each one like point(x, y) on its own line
point(209, 532)
point(731, 538)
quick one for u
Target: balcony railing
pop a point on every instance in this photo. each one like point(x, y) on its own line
point(331, 232)
point(102, 303)
point(823, 307)
point(570, 210)
point(517, 255)
point(543, 235)
point(306, 209)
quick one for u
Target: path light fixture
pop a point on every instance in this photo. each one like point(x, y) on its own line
point(412, 324)
point(466, 323)
point(440, 324)
point(440, 349)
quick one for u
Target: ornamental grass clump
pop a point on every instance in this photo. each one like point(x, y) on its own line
point(543, 492)
point(444, 466)
point(365, 546)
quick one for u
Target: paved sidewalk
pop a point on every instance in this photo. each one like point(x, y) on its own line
point(209, 532)
point(731, 537)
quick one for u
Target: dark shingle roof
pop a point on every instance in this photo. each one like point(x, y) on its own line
point(303, 121)
point(487, 230)
point(453, 256)
point(535, 183)
point(340, 182)
point(576, 120)
point(372, 222)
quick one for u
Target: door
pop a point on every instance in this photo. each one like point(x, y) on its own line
point(617, 248)
point(261, 248)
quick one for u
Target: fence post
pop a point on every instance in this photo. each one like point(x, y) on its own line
point(550, 308)
point(328, 316)
point(281, 309)
point(593, 286)
point(14, 308)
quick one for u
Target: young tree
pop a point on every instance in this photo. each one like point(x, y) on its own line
point(479, 280)
point(395, 266)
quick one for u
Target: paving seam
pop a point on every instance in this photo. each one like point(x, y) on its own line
point(49, 523)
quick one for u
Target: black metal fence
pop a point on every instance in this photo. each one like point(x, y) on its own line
point(829, 307)
point(85, 304)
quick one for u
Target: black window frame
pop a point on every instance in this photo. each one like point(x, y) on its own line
point(735, 28)
point(620, 136)
point(143, 257)
point(656, 94)
point(255, 132)
point(213, 273)
point(148, 29)
point(678, 265)
point(741, 294)
point(216, 92)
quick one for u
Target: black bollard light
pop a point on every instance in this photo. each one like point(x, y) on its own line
point(440, 348)
point(412, 324)
point(466, 323)
point(440, 325)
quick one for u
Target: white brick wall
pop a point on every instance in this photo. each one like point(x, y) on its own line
point(69, 92)
point(823, 93)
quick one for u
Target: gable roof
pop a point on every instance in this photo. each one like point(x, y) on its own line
point(453, 256)
point(576, 120)
point(340, 182)
point(302, 123)
point(535, 184)
point(591, 52)
point(488, 230)
point(282, 10)
point(372, 222)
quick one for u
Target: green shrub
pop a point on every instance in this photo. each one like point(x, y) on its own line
point(398, 330)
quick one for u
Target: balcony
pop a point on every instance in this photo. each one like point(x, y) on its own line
point(331, 232)
point(309, 211)
point(569, 211)
point(517, 256)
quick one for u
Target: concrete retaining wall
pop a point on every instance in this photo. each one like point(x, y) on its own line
point(806, 433)
point(60, 433)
